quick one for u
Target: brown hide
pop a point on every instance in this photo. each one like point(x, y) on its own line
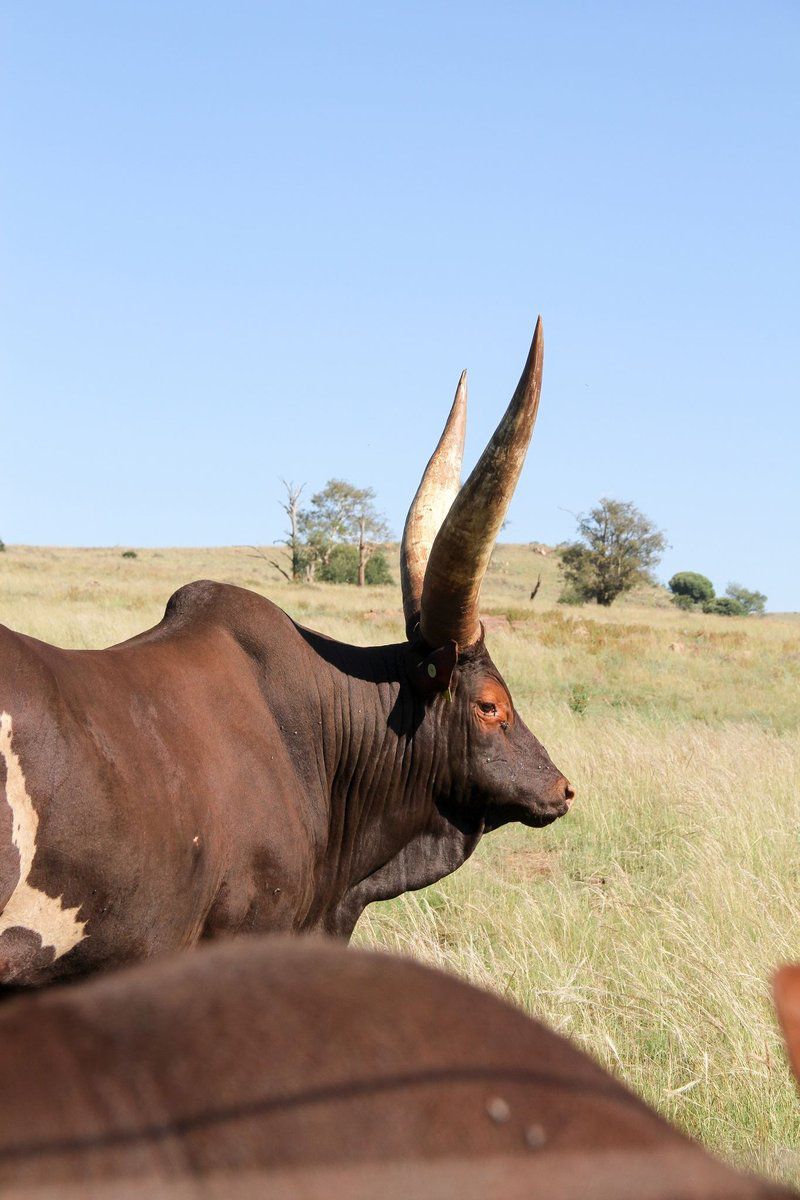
point(293, 1067)
point(230, 772)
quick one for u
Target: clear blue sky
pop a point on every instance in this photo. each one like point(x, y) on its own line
point(243, 240)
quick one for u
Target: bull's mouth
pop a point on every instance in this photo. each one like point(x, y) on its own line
point(498, 815)
point(539, 820)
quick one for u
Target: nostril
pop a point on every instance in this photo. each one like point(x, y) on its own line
point(569, 791)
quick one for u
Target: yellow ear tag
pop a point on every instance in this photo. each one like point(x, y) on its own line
point(448, 695)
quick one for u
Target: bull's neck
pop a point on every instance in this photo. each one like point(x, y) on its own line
point(389, 763)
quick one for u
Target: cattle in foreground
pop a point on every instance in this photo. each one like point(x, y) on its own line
point(231, 771)
point(294, 1068)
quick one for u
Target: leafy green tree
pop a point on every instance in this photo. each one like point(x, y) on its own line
point(619, 547)
point(689, 585)
point(341, 513)
point(751, 602)
point(725, 606)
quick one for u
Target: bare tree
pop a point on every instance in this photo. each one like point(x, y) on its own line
point(292, 540)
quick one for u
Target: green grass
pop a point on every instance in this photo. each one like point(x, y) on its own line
point(646, 924)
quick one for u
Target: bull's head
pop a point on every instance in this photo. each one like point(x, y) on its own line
point(505, 773)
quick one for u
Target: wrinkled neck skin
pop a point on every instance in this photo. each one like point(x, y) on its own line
point(395, 770)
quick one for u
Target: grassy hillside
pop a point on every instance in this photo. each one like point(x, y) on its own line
point(647, 923)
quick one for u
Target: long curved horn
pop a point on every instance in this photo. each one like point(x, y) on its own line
point(437, 490)
point(463, 546)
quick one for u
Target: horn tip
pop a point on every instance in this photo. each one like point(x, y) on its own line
point(537, 345)
point(460, 399)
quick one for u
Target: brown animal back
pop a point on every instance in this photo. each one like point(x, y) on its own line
point(279, 1059)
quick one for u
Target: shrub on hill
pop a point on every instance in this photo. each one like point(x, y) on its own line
point(342, 567)
point(692, 587)
point(571, 596)
point(725, 606)
point(691, 590)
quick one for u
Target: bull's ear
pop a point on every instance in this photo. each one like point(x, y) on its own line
point(433, 673)
point(786, 989)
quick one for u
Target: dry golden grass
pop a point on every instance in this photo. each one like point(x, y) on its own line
point(647, 923)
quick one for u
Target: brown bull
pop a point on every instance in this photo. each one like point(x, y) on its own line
point(294, 1069)
point(231, 771)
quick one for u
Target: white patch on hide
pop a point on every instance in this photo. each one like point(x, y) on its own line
point(27, 907)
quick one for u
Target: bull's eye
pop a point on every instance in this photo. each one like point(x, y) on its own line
point(488, 708)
